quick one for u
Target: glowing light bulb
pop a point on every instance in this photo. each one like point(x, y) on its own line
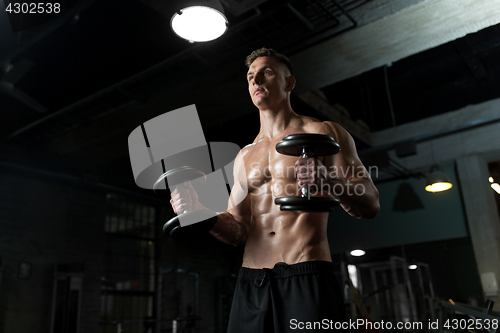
point(357, 253)
point(438, 187)
point(496, 187)
point(199, 23)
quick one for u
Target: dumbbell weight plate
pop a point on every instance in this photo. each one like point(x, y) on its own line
point(316, 144)
point(178, 176)
point(314, 204)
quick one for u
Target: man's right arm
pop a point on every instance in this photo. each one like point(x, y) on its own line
point(232, 226)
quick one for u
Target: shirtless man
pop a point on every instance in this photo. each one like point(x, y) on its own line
point(286, 280)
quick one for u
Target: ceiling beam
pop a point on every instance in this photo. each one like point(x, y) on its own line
point(467, 117)
point(413, 29)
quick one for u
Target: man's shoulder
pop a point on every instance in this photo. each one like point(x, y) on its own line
point(308, 121)
point(256, 141)
point(330, 128)
point(313, 125)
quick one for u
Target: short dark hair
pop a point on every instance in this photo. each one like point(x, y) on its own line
point(265, 52)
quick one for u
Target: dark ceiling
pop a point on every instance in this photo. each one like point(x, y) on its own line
point(108, 66)
point(125, 50)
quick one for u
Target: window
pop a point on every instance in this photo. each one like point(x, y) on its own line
point(128, 286)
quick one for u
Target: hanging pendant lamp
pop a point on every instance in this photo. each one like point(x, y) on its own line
point(437, 181)
point(199, 20)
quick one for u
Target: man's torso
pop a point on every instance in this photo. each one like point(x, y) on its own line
point(279, 236)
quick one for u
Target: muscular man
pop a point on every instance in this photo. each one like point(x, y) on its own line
point(286, 280)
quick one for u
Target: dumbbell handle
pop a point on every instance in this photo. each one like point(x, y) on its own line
point(304, 191)
point(187, 210)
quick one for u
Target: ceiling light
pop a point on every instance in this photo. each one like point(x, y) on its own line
point(495, 186)
point(412, 266)
point(357, 253)
point(199, 21)
point(437, 181)
point(353, 274)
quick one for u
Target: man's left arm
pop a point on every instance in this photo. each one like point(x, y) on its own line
point(343, 175)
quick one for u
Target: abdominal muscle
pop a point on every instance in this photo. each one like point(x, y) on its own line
point(288, 236)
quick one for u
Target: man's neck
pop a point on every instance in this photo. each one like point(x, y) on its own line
point(275, 121)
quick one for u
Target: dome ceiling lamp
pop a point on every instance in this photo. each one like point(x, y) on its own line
point(199, 20)
point(357, 253)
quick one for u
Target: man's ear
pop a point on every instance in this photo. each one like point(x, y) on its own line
point(290, 83)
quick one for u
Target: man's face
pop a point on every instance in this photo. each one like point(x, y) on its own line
point(268, 82)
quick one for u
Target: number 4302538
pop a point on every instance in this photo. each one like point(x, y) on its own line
point(33, 8)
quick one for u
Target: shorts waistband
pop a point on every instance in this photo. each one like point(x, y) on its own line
point(283, 270)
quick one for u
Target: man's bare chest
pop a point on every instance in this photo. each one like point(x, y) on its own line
point(263, 165)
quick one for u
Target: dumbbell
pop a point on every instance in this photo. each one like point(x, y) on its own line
point(203, 219)
point(307, 145)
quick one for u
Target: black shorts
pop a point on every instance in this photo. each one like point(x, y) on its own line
point(288, 298)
